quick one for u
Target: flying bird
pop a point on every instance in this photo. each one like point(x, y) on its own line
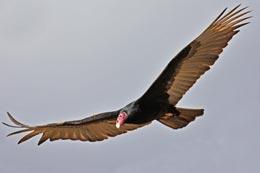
point(159, 101)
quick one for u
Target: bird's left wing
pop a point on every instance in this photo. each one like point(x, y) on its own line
point(95, 128)
point(197, 57)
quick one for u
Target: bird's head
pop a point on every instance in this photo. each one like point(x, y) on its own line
point(125, 113)
point(121, 118)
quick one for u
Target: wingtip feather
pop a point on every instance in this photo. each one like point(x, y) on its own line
point(236, 7)
point(40, 142)
point(19, 124)
point(8, 125)
point(43, 138)
point(29, 136)
point(19, 131)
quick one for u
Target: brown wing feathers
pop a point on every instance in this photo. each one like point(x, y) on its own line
point(73, 130)
point(204, 51)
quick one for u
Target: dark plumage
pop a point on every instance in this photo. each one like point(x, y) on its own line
point(159, 101)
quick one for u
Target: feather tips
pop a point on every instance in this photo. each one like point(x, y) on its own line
point(95, 130)
point(204, 51)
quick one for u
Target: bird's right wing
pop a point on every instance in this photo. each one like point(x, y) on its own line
point(94, 128)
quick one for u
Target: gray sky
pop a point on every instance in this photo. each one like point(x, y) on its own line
point(64, 60)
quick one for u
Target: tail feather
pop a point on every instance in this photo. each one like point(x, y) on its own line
point(183, 119)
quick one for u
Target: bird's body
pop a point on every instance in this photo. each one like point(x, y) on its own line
point(159, 101)
point(144, 113)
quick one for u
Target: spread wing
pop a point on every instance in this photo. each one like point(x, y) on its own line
point(94, 128)
point(196, 58)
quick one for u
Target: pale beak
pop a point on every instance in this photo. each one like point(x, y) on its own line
point(121, 119)
point(118, 125)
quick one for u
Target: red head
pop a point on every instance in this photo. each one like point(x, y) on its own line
point(121, 119)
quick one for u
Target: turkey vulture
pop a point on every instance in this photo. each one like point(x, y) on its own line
point(159, 101)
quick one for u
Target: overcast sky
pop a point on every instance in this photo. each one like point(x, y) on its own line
point(64, 60)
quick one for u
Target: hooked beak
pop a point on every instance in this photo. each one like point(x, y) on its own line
point(121, 119)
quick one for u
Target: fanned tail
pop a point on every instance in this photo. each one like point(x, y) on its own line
point(186, 115)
